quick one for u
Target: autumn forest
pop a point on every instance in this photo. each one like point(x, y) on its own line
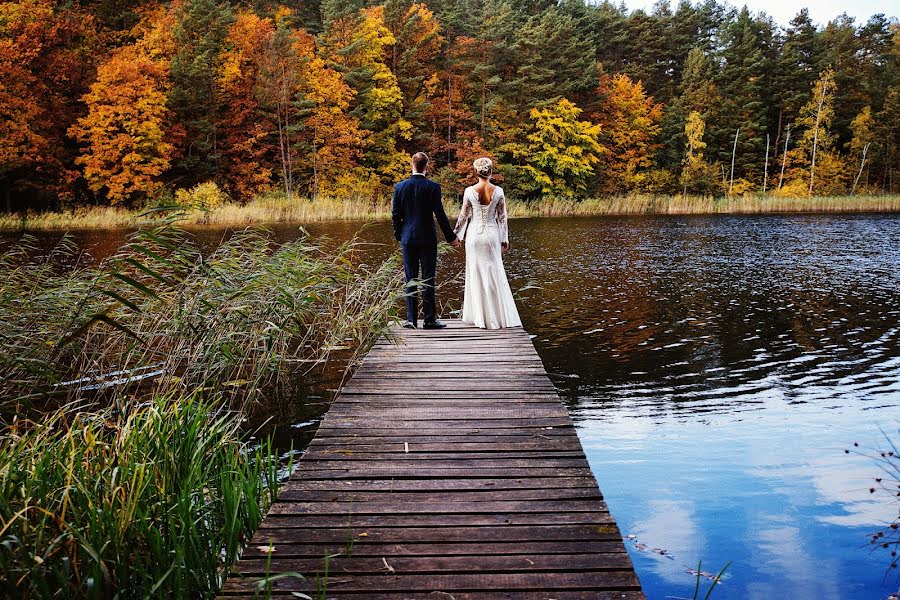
point(124, 103)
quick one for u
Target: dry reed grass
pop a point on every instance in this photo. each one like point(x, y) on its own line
point(275, 208)
point(702, 205)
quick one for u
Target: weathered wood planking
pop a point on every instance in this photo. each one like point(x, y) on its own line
point(446, 468)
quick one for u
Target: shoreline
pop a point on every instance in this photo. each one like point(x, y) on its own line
point(269, 211)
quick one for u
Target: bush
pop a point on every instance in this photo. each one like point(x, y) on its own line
point(203, 195)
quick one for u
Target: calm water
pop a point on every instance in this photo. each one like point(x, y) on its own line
point(716, 368)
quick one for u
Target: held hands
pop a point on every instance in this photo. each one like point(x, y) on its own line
point(504, 247)
point(456, 243)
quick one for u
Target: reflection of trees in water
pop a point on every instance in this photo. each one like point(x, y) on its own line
point(682, 313)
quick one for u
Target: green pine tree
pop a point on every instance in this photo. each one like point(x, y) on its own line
point(200, 32)
point(741, 83)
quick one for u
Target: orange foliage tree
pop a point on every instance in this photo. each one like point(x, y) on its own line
point(45, 52)
point(629, 123)
point(248, 160)
point(123, 131)
point(329, 138)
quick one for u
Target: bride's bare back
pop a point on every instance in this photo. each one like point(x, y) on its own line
point(485, 191)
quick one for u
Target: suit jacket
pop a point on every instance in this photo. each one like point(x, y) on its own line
point(417, 201)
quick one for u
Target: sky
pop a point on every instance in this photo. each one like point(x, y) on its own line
point(821, 11)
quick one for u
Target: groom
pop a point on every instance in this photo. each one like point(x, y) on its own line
point(416, 202)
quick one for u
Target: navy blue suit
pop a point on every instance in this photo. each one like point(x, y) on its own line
point(417, 201)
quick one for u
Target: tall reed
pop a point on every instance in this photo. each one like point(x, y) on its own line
point(248, 322)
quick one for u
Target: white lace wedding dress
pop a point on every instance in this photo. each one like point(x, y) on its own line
point(488, 301)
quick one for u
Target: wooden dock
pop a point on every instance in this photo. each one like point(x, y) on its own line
point(446, 468)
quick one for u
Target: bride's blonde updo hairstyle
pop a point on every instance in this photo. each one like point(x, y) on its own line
point(484, 167)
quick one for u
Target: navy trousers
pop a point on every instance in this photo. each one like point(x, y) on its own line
point(420, 262)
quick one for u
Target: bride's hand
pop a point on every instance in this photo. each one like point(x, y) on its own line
point(504, 247)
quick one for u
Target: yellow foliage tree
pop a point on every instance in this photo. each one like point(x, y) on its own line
point(696, 175)
point(356, 44)
point(815, 168)
point(863, 129)
point(330, 138)
point(559, 152)
point(123, 130)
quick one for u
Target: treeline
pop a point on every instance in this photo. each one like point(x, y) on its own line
point(122, 102)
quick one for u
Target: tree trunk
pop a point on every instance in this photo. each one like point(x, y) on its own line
point(733, 153)
point(449, 102)
point(812, 167)
point(778, 131)
point(315, 190)
point(284, 172)
point(862, 163)
point(787, 138)
point(286, 103)
point(766, 169)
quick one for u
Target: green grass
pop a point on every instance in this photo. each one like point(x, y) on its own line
point(275, 208)
point(151, 500)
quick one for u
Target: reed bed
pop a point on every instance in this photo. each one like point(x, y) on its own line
point(701, 205)
point(125, 470)
point(248, 322)
point(276, 208)
point(265, 209)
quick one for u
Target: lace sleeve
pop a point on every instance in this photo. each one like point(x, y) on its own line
point(462, 222)
point(502, 218)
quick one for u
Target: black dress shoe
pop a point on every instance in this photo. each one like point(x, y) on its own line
point(434, 325)
point(409, 325)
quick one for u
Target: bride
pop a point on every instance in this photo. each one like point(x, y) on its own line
point(482, 226)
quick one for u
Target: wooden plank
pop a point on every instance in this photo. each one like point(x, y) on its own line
point(549, 594)
point(304, 546)
point(463, 485)
point(443, 414)
point(594, 580)
point(469, 431)
point(282, 521)
point(416, 454)
point(446, 467)
point(403, 472)
point(434, 508)
point(504, 533)
point(453, 394)
point(446, 444)
point(469, 497)
point(443, 564)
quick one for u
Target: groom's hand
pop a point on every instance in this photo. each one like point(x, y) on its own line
point(456, 243)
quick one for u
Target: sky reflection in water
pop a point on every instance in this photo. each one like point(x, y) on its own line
point(716, 369)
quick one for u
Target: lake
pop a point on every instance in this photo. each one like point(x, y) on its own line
point(716, 368)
